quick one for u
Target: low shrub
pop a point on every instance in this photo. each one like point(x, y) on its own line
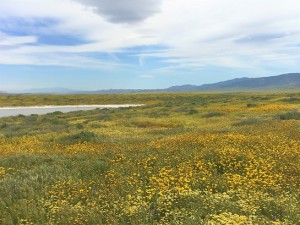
point(248, 121)
point(104, 117)
point(291, 115)
point(56, 113)
point(83, 136)
point(292, 100)
point(193, 111)
point(213, 114)
point(79, 126)
point(249, 105)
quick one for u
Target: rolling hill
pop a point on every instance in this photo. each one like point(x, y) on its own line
point(290, 81)
point(284, 81)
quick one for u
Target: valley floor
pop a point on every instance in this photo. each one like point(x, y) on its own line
point(180, 159)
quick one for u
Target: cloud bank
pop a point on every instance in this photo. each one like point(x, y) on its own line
point(190, 34)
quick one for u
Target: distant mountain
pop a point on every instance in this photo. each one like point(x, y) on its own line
point(53, 90)
point(122, 91)
point(183, 88)
point(280, 82)
point(284, 81)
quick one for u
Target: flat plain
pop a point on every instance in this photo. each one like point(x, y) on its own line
point(198, 158)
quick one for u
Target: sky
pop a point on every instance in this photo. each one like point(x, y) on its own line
point(100, 44)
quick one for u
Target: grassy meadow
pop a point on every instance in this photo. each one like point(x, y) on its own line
point(214, 158)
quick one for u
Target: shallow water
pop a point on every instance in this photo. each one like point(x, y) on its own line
point(40, 110)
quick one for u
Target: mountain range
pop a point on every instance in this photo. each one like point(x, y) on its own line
point(290, 81)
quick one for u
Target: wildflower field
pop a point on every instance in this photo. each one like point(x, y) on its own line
point(210, 158)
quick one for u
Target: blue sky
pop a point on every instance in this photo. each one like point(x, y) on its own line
point(100, 44)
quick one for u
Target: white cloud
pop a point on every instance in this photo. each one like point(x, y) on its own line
point(147, 76)
point(8, 41)
point(208, 30)
point(196, 33)
point(124, 11)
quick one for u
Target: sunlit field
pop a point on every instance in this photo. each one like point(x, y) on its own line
point(180, 159)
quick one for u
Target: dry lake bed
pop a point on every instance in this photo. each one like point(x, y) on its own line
point(40, 110)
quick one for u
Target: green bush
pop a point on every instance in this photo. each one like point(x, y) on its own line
point(3, 125)
point(104, 117)
point(292, 100)
point(292, 115)
point(79, 126)
point(83, 136)
point(248, 121)
point(193, 111)
point(213, 114)
point(249, 105)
